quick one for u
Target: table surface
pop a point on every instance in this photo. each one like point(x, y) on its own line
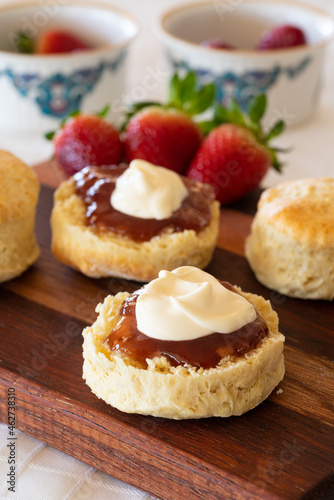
point(264, 453)
point(45, 473)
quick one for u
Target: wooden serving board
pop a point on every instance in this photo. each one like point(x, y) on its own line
point(283, 449)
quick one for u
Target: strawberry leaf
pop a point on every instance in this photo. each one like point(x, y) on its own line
point(24, 43)
point(188, 96)
point(221, 115)
point(232, 114)
point(251, 121)
point(275, 163)
point(236, 115)
point(207, 126)
point(188, 87)
point(257, 109)
point(282, 150)
point(174, 96)
point(184, 94)
point(134, 109)
point(104, 111)
point(201, 101)
point(71, 115)
point(276, 130)
point(50, 135)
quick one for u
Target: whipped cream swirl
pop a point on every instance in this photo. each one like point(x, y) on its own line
point(187, 304)
point(148, 191)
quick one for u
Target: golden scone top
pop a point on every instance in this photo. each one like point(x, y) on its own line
point(302, 209)
point(19, 187)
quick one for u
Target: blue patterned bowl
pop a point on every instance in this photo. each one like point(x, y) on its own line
point(290, 77)
point(38, 91)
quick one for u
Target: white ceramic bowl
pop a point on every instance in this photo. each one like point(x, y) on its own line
point(290, 77)
point(37, 91)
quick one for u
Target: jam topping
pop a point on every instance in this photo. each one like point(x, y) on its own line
point(204, 352)
point(94, 185)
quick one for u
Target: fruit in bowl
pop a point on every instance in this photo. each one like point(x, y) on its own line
point(70, 63)
point(280, 37)
point(290, 77)
point(53, 41)
point(217, 43)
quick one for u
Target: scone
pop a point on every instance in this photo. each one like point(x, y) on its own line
point(291, 245)
point(19, 189)
point(152, 228)
point(182, 370)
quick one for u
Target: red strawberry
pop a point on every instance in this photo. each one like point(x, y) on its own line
point(59, 41)
point(234, 157)
point(231, 160)
point(167, 135)
point(216, 43)
point(168, 138)
point(282, 37)
point(86, 140)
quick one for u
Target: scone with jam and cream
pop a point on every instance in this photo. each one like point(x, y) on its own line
point(132, 221)
point(185, 345)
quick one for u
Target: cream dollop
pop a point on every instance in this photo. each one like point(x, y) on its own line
point(188, 303)
point(147, 191)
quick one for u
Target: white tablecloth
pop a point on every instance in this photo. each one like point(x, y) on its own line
point(48, 474)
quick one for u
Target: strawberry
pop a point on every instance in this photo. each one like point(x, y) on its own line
point(86, 140)
point(49, 42)
point(166, 138)
point(166, 135)
point(281, 37)
point(235, 155)
point(216, 43)
point(59, 41)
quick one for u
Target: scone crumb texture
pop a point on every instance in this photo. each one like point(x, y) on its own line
point(235, 386)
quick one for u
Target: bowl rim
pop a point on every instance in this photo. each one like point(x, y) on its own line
point(164, 34)
point(82, 54)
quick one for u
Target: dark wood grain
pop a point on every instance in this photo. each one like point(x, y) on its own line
point(282, 449)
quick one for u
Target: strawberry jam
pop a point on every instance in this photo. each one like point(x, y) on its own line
point(94, 185)
point(204, 352)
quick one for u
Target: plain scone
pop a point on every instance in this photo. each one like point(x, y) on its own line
point(232, 388)
point(102, 254)
point(19, 189)
point(291, 245)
